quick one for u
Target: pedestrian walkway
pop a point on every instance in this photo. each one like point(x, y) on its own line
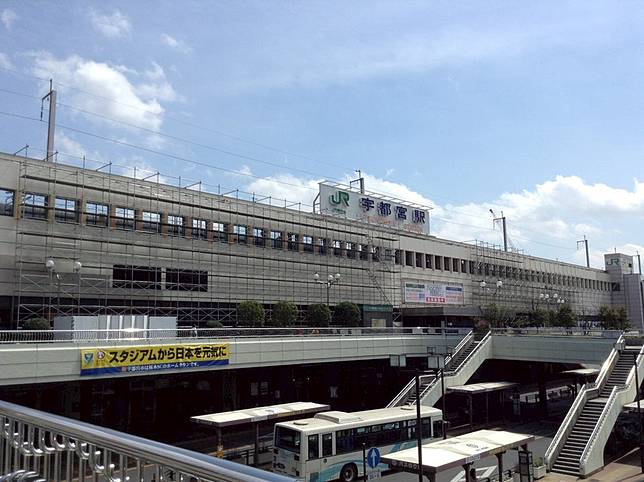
point(625, 469)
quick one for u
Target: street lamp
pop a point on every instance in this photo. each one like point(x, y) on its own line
point(50, 264)
point(77, 269)
point(331, 280)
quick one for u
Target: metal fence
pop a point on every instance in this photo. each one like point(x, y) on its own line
point(35, 445)
point(558, 331)
point(186, 334)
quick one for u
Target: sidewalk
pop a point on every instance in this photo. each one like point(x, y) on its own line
point(626, 469)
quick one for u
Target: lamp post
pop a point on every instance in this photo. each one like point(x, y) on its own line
point(639, 411)
point(77, 269)
point(50, 265)
point(419, 428)
point(330, 281)
point(439, 370)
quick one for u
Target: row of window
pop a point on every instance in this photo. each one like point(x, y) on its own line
point(150, 278)
point(456, 265)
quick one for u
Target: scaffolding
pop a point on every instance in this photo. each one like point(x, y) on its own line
point(156, 250)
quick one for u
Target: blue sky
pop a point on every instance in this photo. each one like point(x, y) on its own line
point(535, 109)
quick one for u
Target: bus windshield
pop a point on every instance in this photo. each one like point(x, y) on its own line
point(287, 439)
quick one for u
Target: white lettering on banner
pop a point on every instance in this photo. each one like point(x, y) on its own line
point(433, 293)
point(336, 201)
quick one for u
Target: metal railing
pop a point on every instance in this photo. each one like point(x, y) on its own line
point(35, 445)
point(136, 334)
point(557, 331)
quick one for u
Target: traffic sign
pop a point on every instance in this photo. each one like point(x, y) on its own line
point(373, 457)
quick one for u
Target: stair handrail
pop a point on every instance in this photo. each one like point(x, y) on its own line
point(587, 392)
point(461, 346)
point(620, 391)
point(477, 348)
point(407, 388)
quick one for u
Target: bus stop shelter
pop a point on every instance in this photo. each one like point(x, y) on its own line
point(582, 375)
point(461, 451)
point(255, 416)
point(482, 388)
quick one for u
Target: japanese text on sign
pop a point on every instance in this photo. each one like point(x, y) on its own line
point(431, 293)
point(96, 361)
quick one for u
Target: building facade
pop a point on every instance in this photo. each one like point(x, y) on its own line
point(82, 241)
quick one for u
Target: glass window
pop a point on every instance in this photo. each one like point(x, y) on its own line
point(314, 446)
point(428, 260)
point(241, 233)
point(327, 444)
point(151, 222)
point(35, 205)
point(199, 230)
point(65, 210)
point(307, 242)
point(259, 237)
point(438, 262)
point(398, 256)
point(293, 241)
point(6, 202)
point(176, 225)
point(276, 238)
point(419, 260)
point(322, 244)
point(124, 218)
point(136, 277)
point(219, 232)
point(287, 439)
point(375, 254)
point(337, 248)
point(186, 280)
point(363, 252)
point(351, 249)
point(97, 214)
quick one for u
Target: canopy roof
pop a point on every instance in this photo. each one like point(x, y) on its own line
point(475, 388)
point(584, 372)
point(258, 414)
point(456, 451)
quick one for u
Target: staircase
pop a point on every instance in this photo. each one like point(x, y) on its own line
point(568, 460)
point(460, 357)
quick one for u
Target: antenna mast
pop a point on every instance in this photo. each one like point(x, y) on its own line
point(51, 123)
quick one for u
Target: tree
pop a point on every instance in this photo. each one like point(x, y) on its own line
point(319, 315)
point(250, 313)
point(346, 314)
point(551, 318)
point(538, 317)
point(284, 314)
point(36, 324)
point(614, 318)
point(214, 324)
point(566, 317)
point(498, 316)
point(621, 318)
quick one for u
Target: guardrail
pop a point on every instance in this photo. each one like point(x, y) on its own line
point(557, 331)
point(135, 334)
point(36, 445)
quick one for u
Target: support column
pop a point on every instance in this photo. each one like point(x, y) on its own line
point(466, 468)
point(256, 456)
point(499, 458)
point(543, 394)
point(471, 412)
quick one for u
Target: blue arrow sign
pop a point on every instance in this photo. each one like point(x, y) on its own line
point(373, 457)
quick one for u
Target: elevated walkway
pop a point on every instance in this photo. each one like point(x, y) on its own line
point(578, 447)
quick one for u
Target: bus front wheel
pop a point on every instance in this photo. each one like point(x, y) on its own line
point(349, 473)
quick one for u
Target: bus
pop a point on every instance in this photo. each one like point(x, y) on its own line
point(329, 445)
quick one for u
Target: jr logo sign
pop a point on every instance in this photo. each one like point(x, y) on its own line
point(339, 198)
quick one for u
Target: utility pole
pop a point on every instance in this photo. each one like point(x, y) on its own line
point(639, 262)
point(585, 243)
point(503, 225)
point(51, 124)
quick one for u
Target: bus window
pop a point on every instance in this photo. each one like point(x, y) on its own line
point(288, 439)
point(438, 428)
point(314, 447)
point(327, 444)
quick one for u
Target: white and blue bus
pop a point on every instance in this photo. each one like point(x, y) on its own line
point(329, 445)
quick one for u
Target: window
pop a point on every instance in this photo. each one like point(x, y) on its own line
point(337, 248)
point(419, 260)
point(428, 260)
point(124, 218)
point(438, 262)
point(363, 252)
point(65, 210)
point(136, 277)
point(258, 237)
point(456, 264)
point(176, 225)
point(398, 256)
point(447, 263)
point(97, 214)
point(375, 253)
point(241, 233)
point(287, 439)
point(276, 239)
point(307, 243)
point(6, 202)
point(322, 245)
point(327, 444)
point(615, 287)
point(472, 267)
point(463, 266)
point(186, 280)
point(351, 250)
point(314, 447)
point(35, 205)
point(409, 258)
point(151, 222)
point(293, 241)
point(199, 228)
point(219, 232)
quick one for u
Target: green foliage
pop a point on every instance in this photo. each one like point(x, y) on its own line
point(284, 314)
point(250, 313)
point(566, 317)
point(551, 318)
point(346, 314)
point(319, 315)
point(498, 316)
point(538, 317)
point(214, 324)
point(36, 324)
point(481, 326)
point(614, 318)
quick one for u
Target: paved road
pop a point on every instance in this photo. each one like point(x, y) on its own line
point(487, 467)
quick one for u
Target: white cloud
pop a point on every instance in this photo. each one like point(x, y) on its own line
point(546, 220)
point(175, 44)
point(68, 146)
point(389, 172)
point(115, 25)
point(8, 17)
point(5, 63)
point(131, 102)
